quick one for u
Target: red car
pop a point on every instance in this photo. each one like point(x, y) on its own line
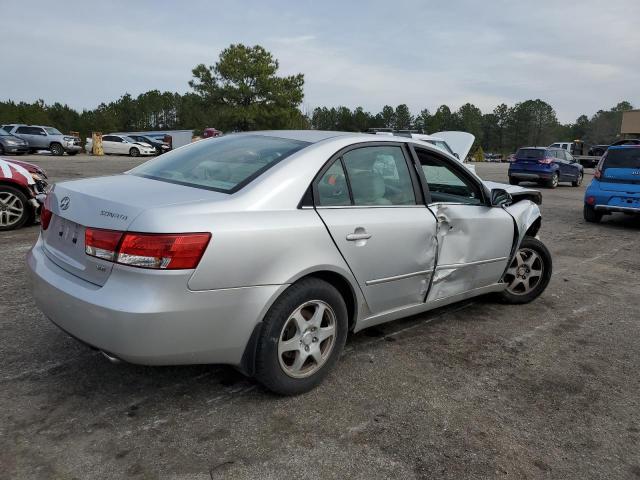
point(211, 132)
point(23, 187)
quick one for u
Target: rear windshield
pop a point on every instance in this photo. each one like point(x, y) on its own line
point(530, 154)
point(224, 164)
point(623, 158)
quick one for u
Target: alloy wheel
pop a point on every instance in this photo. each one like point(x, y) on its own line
point(525, 272)
point(307, 339)
point(554, 180)
point(11, 209)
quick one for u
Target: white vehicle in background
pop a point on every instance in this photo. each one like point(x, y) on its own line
point(122, 145)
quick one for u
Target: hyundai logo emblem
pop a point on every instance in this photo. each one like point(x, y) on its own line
point(64, 203)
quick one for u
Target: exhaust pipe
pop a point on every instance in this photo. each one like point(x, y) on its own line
point(110, 357)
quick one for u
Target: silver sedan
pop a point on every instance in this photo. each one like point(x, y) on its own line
point(263, 250)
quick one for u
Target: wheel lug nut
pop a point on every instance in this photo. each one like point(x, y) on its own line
point(315, 339)
point(306, 348)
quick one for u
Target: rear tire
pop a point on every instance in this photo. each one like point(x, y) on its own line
point(56, 149)
point(302, 337)
point(529, 272)
point(578, 181)
point(591, 215)
point(553, 181)
point(14, 208)
point(134, 152)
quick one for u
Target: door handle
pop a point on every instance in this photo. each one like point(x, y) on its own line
point(359, 234)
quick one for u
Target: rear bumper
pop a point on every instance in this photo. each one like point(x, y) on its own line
point(149, 317)
point(615, 208)
point(531, 175)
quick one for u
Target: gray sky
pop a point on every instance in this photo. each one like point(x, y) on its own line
point(578, 56)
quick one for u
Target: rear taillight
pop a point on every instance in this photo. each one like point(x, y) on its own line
point(546, 161)
point(45, 217)
point(147, 250)
point(102, 243)
point(591, 200)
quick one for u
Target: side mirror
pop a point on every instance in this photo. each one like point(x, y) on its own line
point(500, 198)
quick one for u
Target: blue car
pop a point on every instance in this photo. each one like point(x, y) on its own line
point(545, 166)
point(616, 184)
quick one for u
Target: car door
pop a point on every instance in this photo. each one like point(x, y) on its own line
point(566, 170)
point(474, 238)
point(120, 145)
point(109, 144)
point(26, 133)
point(370, 203)
point(39, 137)
point(573, 166)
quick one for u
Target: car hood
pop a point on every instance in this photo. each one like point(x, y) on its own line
point(516, 191)
point(30, 167)
point(459, 142)
point(144, 144)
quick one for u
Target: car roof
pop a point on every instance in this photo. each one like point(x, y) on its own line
point(311, 136)
point(622, 147)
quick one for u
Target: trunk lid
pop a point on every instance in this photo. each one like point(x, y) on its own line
point(105, 202)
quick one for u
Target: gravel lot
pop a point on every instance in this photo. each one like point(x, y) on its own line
point(477, 390)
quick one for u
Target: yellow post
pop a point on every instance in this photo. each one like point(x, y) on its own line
point(96, 144)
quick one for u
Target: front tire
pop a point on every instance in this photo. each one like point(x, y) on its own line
point(1, 149)
point(529, 272)
point(553, 181)
point(591, 215)
point(56, 149)
point(14, 208)
point(513, 181)
point(301, 338)
point(134, 152)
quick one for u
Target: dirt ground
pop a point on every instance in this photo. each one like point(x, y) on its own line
point(476, 390)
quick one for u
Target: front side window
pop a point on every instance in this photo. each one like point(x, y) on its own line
point(379, 176)
point(24, 130)
point(446, 185)
point(223, 164)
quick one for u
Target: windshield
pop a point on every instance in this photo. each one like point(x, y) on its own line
point(223, 164)
point(52, 131)
point(623, 158)
point(530, 154)
point(4, 133)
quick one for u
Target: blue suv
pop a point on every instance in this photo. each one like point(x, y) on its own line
point(616, 184)
point(547, 166)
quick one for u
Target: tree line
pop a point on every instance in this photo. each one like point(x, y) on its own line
point(242, 91)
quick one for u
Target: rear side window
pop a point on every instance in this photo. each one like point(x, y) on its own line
point(622, 158)
point(332, 187)
point(223, 164)
point(530, 154)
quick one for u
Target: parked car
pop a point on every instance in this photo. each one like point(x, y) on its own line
point(627, 141)
point(12, 144)
point(615, 186)
point(45, 138)
point(263, 250)
point(22, 189)
point(211, 132)
point(160, 146)
point(597, 150)
point(547, 166)
point(122, 145)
